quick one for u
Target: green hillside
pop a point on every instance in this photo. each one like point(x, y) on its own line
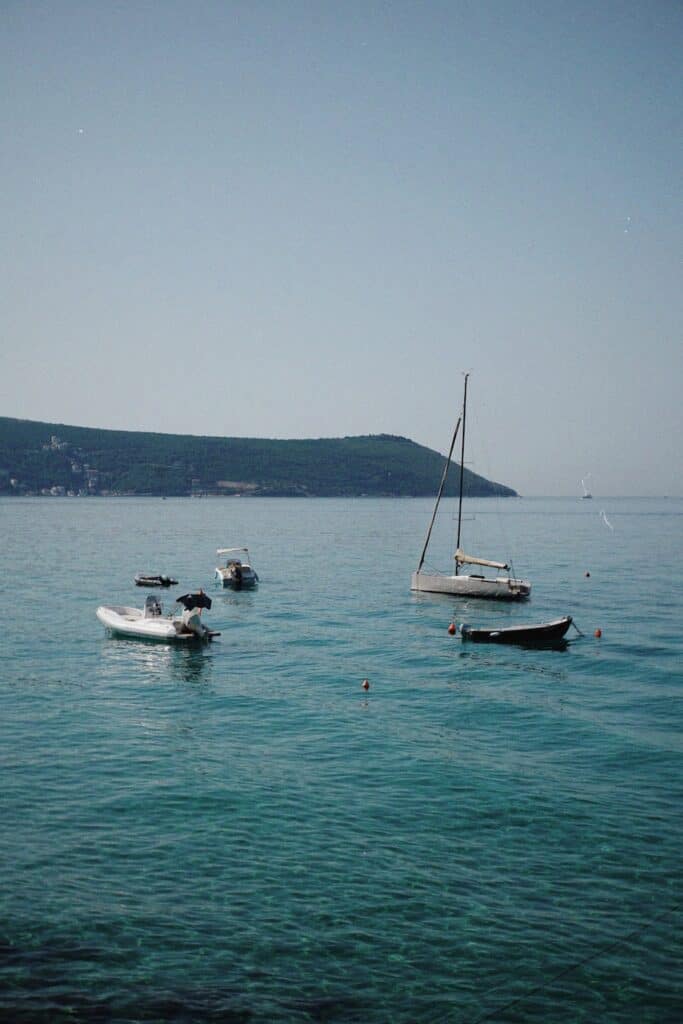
point(38, 458)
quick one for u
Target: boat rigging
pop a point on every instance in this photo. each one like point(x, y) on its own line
point(459, 583)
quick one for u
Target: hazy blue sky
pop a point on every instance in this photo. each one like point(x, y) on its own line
point(300, 219)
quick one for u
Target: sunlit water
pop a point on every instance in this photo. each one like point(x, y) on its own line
point(240, 833)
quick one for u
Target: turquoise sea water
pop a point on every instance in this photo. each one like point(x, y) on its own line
point(240, 833)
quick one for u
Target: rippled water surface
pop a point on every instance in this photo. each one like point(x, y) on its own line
point(240, 833)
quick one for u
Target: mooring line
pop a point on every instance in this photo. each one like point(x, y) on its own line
point(579, 963)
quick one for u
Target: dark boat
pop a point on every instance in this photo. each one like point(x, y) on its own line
point(144, 579)
point(545, 634)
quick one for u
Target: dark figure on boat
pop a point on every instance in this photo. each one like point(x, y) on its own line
point(198, 599)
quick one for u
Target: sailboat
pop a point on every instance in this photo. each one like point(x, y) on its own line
point(586, 492)
point(464, 584)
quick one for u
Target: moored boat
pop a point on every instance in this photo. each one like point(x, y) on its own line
point(544, 634)
point(151, 579)
point(237, 572)
point(464, 584)
point(150, 623)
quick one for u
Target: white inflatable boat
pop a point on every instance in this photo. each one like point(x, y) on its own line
point(150, 623)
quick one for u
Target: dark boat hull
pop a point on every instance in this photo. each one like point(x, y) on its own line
point(545, 634)
point(154, 581)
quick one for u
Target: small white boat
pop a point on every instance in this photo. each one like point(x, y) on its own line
point(237, 571)
point(150, 623)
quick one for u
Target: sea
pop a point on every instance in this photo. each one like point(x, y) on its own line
point(242, 833)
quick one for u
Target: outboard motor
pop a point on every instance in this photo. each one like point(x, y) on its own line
point(192, 622)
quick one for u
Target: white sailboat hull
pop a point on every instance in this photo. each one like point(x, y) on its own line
point(504, 588)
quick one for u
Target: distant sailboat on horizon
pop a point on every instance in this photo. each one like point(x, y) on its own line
point(586, 492)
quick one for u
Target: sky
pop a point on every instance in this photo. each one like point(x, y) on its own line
point(287, 218)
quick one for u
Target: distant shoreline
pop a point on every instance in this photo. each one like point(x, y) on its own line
point(338, 497)
point(54, 460)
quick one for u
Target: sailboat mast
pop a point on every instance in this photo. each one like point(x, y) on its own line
point(462, 468)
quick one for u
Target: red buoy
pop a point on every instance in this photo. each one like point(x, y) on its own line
point(598, 633)
point(451, 628)
point(365, 684)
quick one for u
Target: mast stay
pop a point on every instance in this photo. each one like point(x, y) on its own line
point(438, 497)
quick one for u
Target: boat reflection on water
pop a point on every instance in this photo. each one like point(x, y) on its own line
point(235, 600)
point(150, 663)
point(192, 665)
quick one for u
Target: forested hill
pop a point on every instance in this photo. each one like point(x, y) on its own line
point(51, 458)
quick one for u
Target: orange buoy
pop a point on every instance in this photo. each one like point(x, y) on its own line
point(365, 684)
point(451, 628)
point(598, 633)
